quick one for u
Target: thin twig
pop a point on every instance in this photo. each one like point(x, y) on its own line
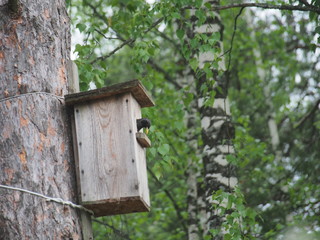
point(166, 75)
point(305, 3)
point(270, 6)
point(231, 47)
point(175, 205)
point(103, 18)
point(309, 114)
point(115, 230)
point(127, 42)
point(232, 38)
point(103, 35)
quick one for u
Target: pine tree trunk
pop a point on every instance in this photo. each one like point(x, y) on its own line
point(35, 150)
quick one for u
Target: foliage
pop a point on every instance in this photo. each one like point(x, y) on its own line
point(125, 39)
point(239, 220)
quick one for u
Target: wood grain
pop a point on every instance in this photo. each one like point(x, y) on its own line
point(134, 87)
point(111, 161)
point(143, 140)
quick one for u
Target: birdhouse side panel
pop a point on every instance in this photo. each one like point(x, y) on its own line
point(104, 137)
point(140, 154)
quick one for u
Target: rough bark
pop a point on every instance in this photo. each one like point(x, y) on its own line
point(35, 152)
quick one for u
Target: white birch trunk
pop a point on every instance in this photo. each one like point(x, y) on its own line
point(272, 125)
point(217, 130)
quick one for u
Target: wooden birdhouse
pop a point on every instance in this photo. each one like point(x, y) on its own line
point(110, 153)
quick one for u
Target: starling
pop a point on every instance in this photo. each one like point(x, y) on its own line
point(143, 123)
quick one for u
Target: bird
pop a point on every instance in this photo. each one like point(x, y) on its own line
point(143, 123)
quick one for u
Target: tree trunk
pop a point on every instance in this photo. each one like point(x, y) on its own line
point(35, 144)
point(272, 125)
point(193, 170)
point(187, 80)
point(217, 130)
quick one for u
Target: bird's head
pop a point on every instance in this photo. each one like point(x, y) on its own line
point(143, 123)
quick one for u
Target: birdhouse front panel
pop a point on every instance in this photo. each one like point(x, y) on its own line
point(111, 172)
point(140, 154)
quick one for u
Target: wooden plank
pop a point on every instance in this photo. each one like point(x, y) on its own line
point(73, 77)
point(135, 87)
point(112, 165)
point(86, 226)
point(110, 207)
point(75, 153)
point(143, 140)
point(105, 141)
point(73, 86)
point(140, 154)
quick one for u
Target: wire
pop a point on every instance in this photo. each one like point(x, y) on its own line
point(32, 93)
point(49, 199)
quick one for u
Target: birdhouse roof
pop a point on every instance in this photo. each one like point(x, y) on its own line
point(135, 87)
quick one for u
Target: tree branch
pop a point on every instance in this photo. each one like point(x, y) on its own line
point(103, 18)
point(304, 2)
point(309, 114)
point(165, 37)
point(175, 205)
point(270, 6)
point(127, 42)
point(233, 35)
point(165, 74)
point(115, 230)
point(103, 35)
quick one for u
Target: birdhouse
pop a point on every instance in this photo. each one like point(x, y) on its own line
point(109, 151)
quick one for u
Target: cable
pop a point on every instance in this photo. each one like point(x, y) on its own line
point(49, 199)
point(32, 93)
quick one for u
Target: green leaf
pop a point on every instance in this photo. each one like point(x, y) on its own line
point(201, 15)
point(164, 149)
point(207, 5)
point(188, 99)
point(176, 15)
point(152, 151)
point(232, 159)
point(180, 33)
point(198, 3)
point(98, 81)
point(227, 236)
point(194, 64)
point(82, 27)
point(230, 202)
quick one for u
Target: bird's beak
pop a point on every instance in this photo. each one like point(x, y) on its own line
point(147, 130)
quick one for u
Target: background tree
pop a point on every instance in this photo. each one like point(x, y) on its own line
point(144, 45)
point(35, 152)
point(287, 55)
